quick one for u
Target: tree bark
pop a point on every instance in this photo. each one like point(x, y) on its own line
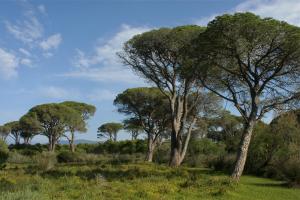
point(243, 151)
point(115, 137)
point(149, 156)
point(151, 146)
point(26, 140)
point(187, 140)
point(52, 143)
point(176, 145)
point(71, 142)
point(17, 139)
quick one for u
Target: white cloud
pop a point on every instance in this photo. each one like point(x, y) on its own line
point(51, 42)
point(25, 52)
point(101, 95)
point(42, 9)
point(47, 54)
point(106, 74)
point(103, 64)
point(8, 64)
point(28, 30)
point(204, 20)
point(56, 92)
point(286, 10)
point(25, 61)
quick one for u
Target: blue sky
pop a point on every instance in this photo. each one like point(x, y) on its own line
point(51, 51)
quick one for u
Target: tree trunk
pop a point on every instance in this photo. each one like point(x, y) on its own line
point(187, 140)
point(150, 151)
point(243, 151)
point(176, 145)
point(52, 143)
point(53, 147)
point(17, 139)
point(115, 137)
point(26, 140)
point(134, 135)
point(71, 142)
point(149, 156)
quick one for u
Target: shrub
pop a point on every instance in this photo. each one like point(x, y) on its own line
point(77, 157)
point(3, 153)
point(223, 163)
point(15, 157)
point(289, 171)
point(120, 147)
point(68, 156)
point(162, 153)
point(202, 151)
point(45, 161)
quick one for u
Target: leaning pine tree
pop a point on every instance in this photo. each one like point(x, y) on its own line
point(252, 62)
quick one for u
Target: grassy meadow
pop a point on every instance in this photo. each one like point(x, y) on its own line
point(133, 181)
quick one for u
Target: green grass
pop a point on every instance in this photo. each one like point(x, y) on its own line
point(134, 181)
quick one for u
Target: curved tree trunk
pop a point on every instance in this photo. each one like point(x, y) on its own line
point(178, 146)
point(243, 151)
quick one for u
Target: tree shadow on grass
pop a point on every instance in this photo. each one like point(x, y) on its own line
point(270, 184)
point(111, 173)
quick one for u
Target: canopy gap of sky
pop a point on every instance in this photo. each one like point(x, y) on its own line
point(52, 51)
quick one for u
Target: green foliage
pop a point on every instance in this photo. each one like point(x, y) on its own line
point(53, 120)
point(15, 130)
point(3, 153)
point(109, 130)
point(223, 162)
point(78, 124)
point(133, 126)
point(226, 128)
point(45, 161)
point(17, 158)
point(76, 157)
point(202, 151)
point(135, 181)
point(275, 149)
point(4, 131)
point(121, 147)
point(67, 156)
point(85, 110)
point(165, 47)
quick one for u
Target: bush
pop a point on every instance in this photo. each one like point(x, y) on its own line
point(3, 153)
point(17, 158)
point(289, 171)
point(76, 157)
point(27, 149)
point(68, 156)
point(202, 151)
point(162, 153)
point(45, 161)
point(120, 147)
point(223, 163)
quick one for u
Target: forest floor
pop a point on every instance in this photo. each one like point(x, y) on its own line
point(134, 181)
